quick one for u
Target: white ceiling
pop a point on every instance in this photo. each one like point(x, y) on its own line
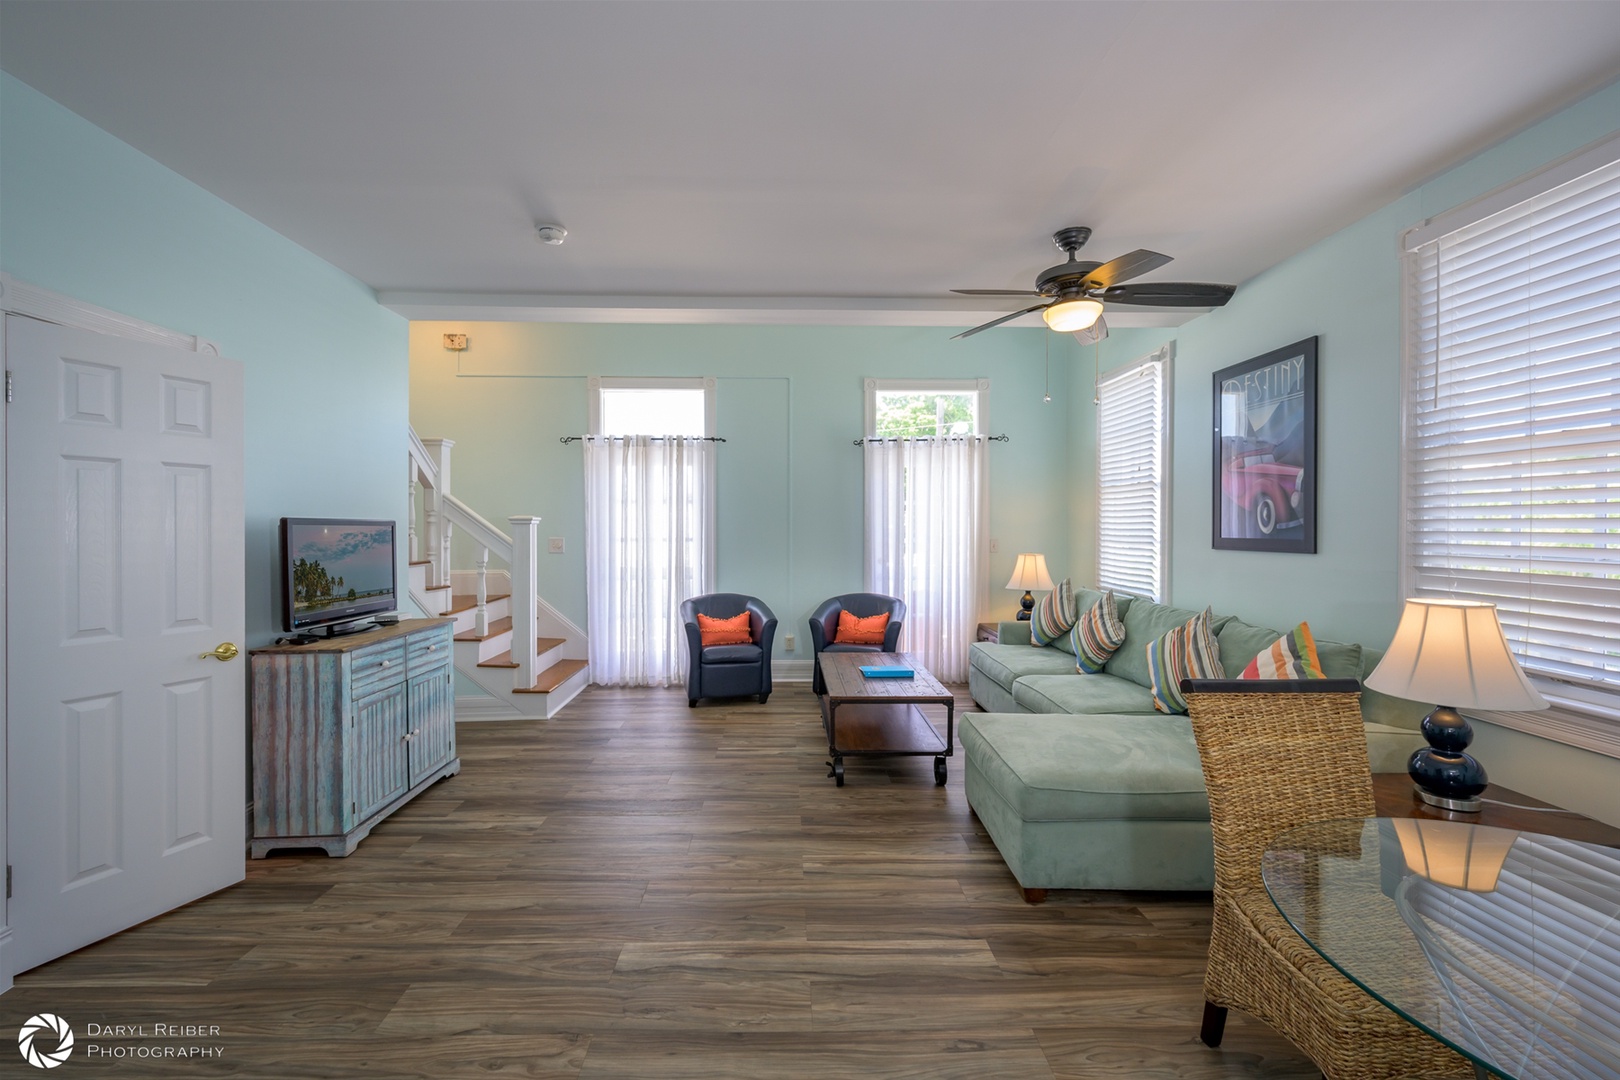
point(844, 161)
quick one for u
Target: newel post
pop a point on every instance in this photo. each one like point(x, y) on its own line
point(434, 518)
point(410, 514)
point(525, 627)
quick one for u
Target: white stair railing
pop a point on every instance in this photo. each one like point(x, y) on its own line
point(442, 513)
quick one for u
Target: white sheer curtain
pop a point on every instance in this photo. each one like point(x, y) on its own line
point(925, 542)
point(649, 544)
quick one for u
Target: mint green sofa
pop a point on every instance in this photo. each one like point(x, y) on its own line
point(1082, 785)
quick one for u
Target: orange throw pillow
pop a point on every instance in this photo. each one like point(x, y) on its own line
point(732, 631)
point(867, 631)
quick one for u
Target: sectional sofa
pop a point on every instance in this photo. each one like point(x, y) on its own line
point(1083, 785)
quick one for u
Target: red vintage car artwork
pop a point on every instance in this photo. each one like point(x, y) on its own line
point(1261, 492)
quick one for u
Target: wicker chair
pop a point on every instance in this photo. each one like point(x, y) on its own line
point(1277, 755)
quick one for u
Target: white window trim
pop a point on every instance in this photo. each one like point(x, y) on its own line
point(1165, 355)
point(980, 388)
point(1577, 717)
point(595, 384)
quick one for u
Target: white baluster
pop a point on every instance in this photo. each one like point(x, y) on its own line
point(439, 541)
point(481, 619)
point(430, 525)
point(525, 626)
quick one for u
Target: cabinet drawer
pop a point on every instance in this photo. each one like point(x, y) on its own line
point(424, 652)
point(375, 668)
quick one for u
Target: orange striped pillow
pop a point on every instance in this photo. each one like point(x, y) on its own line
point(732, 631)
point(854, 631)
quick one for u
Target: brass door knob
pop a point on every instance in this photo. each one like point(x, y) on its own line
point(225, 651)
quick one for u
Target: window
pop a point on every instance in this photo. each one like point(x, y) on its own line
point(1133, 425)
point(1512, 429)
point(899, 408)
point(925, 512)
point(649, 523)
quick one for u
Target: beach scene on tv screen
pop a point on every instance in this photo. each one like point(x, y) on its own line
point(334, 566)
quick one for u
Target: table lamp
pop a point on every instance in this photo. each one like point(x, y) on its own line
point(1452, 652)
point(1029, 573)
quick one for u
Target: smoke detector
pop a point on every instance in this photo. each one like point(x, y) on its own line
point(550, 234)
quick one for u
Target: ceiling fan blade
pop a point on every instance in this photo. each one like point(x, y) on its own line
point(996, 292)
point(998, 322)
point(1170, 294)
point(1131, 264)
point(1093, 333)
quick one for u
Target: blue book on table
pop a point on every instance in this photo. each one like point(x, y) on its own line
point(872, 672)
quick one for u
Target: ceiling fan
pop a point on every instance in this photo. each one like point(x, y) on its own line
point(1073, 292)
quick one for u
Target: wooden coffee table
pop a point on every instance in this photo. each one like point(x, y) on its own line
point(872, 717)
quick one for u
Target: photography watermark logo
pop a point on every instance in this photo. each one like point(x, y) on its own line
point(45, 1028)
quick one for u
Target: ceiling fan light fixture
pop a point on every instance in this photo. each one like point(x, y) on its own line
point(1070, 315)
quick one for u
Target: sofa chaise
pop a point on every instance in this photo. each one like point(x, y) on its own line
point(1083, 785)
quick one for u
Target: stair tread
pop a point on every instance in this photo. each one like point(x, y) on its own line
point(553, 677)
point(541, 645)
point(497, 626)
point(420, 562)
point(435, 588)
point(460, 602)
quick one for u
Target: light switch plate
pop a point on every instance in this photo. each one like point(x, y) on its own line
point(787, 642)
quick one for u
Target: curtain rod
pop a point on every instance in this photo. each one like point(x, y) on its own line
point(566, 439)
point(902, 438)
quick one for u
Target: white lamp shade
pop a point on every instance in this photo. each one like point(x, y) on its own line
point(1453, 652)
point(1030, 573)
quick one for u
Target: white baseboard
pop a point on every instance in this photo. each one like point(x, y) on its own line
point(792, 670)
point(483, 707)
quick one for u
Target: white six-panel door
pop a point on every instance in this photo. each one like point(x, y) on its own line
point(124, 565)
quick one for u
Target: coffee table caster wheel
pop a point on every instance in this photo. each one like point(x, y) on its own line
point(939, 771)
point(836, 771)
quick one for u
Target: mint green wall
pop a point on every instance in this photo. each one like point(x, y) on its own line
point(1345, 291)
point(84, 214)
point(789, 400)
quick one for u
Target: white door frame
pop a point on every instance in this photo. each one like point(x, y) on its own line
point(19, 297)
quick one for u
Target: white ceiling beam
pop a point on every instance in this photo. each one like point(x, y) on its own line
point(736, 310)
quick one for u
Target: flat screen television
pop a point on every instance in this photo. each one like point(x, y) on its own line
point(335, 572)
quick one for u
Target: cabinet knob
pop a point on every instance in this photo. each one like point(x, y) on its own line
point(409, 735)
point(433, 648)
point(387, 663)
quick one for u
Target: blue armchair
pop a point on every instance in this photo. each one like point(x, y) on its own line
point(728, 670)
point(862, 605)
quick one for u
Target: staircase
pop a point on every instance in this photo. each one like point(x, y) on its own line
point(529, 658)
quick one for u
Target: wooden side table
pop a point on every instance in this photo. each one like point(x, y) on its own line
point(1394, 797)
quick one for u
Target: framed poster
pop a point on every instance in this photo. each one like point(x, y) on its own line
point(1265, 452)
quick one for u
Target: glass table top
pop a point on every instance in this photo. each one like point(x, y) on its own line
point(1504, 945)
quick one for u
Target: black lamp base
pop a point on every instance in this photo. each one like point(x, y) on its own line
point(1444, 773)
point(1029, 605)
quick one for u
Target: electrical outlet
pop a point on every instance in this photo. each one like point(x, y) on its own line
point(554, 546)
point(455, 342)
point(787, 642)
point(995, 546)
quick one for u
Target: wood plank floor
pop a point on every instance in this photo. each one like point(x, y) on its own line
point(638, 889)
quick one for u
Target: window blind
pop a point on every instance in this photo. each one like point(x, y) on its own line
point(1132, 415)
point(1512, 423)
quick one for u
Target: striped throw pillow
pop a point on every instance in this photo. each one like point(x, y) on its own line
point(1097, 636)
point(1054, 616)
point(1292, 656)
point(1187, 652)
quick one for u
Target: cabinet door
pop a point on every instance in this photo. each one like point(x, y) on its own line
point(432, 722)
point(379, 768)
